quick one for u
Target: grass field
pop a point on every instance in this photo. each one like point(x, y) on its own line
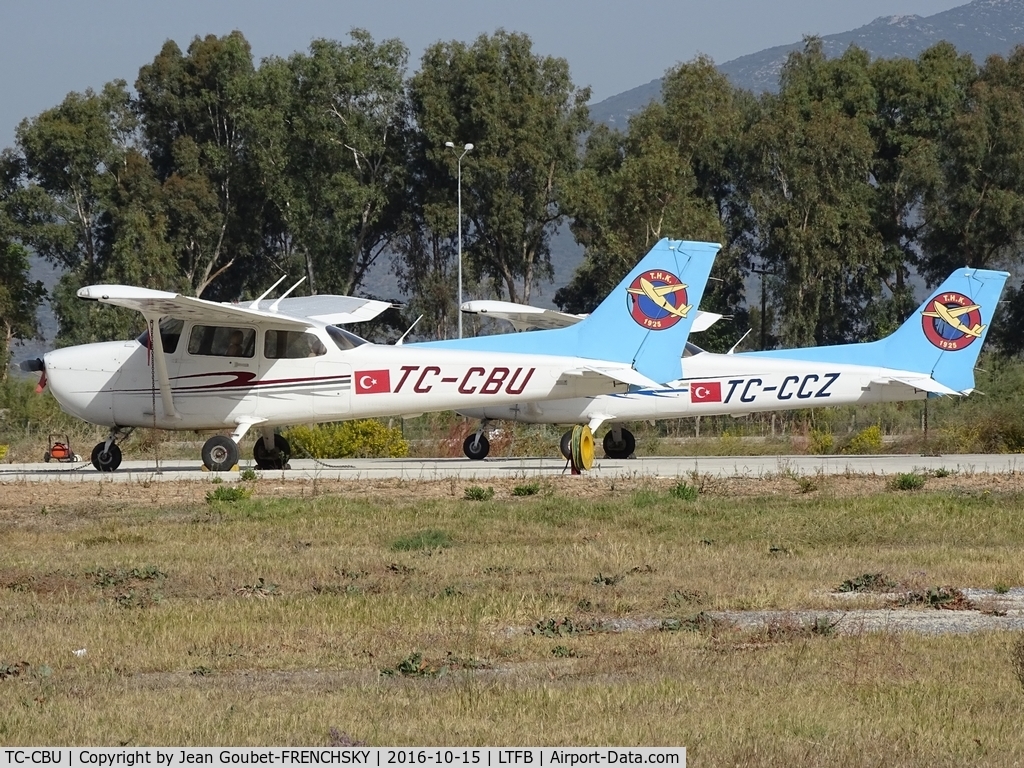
point(565, 611)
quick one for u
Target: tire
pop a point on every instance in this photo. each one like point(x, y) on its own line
point(565, 445)
point(275, 459)
point(106, 460)
point(220, 453)
point(622, 449)
point(46, 457)
point(474, 449)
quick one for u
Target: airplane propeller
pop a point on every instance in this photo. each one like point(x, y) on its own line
point(33, 366)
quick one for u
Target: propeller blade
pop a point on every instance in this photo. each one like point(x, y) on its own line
point(42, 383)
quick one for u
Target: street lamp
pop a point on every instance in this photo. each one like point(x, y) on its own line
point(465, 150)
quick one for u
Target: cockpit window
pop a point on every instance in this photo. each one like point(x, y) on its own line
point(221, 341)
point(691, 349)
point(292, 344)
point(345, 340)
point(170, 332)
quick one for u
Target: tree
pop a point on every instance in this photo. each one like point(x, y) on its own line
point(19, 295)
point(524, 117)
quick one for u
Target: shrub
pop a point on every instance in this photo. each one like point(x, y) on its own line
point(907, 481)
point(821, 442)
point(684, 491)
point(476, 493)
point(866, 441)
point(529, 489)
point(363, 439)
point(227, 493)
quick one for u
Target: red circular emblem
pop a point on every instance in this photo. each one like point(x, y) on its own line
point(951, 321)
point(657, 300)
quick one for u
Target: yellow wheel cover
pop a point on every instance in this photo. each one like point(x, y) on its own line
point(582, 447)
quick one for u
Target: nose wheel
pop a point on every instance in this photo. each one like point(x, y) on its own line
point(220, 454)
point(476, 447)
point(106, 458)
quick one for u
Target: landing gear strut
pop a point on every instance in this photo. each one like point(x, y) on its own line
point(619, 446)
point(272, 458)
point(476, 446)
point(106, 456)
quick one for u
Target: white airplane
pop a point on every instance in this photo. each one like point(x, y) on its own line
point(263, 364)
point(933, 353)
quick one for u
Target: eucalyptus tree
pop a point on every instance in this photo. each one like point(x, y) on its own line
point(20, 296)
point(670, 175)
point(190, 107)
point(525, 117)
point(806, 179)
point(327, 135)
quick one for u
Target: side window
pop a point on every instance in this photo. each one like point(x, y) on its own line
point(170, 332)
point(220, 341)
point(279, 345)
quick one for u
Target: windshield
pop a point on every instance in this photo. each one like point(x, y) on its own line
point(170, 332)
point(345, 340)
point(691, 349)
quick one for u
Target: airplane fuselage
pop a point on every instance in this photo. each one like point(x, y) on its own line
point(114, 384)
point(716, 384)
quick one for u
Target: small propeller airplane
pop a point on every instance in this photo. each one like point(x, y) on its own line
point(932, 354)
point(204, 365)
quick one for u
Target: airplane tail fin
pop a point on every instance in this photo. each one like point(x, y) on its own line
point(647, 318)
point(944, 336)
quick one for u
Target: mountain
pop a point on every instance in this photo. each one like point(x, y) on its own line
point(980, 28)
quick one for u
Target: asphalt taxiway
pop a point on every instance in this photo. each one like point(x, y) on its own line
point(465, 469)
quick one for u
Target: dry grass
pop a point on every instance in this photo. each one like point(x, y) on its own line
point(566, 617)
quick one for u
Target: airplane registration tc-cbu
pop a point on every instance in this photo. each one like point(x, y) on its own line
point(932, 354)
point(204, 365)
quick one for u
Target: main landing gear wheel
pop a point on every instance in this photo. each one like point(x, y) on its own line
point(106, 459)
point(619, 449)
point(565, 445)
point(476, 447)
point(275, 459)
point(220, 453)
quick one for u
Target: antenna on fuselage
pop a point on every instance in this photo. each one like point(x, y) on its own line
point(273, 307)
point(256, 302)
point(402, 337)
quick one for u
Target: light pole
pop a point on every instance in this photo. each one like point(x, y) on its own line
point(467, 148)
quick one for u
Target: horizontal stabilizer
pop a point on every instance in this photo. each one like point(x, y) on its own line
point(620, 374)
point(923, 383)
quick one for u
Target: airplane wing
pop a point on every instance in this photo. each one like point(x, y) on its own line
point(297, 313)
point(526, 318)
point(918, 381)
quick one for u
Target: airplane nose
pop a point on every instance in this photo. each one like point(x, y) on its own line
point(79, 381)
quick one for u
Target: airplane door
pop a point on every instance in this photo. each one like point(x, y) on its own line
point(334, 390)
point(217, 376)
point(299, 380)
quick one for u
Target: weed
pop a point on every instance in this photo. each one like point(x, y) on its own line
point(201, 671)
point(940, 598)
point(869, 582)
point(698, 622)
point(450, 591)
point(1002, 588)
point(607, 581)
point(683, 491)
point(13, 670)
point(216, 480)
point(685, 597)
point(144, 598)
point(248, 475)
point(1017, 659)
point(564, 652)
point(821, 442)
point(476, 493)
point(103, 578)
point(529, 489)
point(412, 665)
point(227, 493)
point(564, 627)
point(807, 484)
point(260, 589)
point(867, 441)
point(342, 739)
point(907, 481)
point(428, 539)
point(942, 472)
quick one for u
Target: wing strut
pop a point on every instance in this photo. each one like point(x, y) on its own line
point(156, 342)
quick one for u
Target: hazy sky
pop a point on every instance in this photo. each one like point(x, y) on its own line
point(49, 48)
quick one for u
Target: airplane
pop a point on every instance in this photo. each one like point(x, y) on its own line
point(932, 354)
point(204, 365)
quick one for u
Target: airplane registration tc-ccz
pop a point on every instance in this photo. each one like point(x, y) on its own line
point(932, 354)
point(265, 364)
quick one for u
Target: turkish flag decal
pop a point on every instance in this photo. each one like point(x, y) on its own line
point(706, 392)
point(373, 382)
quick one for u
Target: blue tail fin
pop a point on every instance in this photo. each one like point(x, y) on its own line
point(945, 335)
point(644, 322)
point(942, 338)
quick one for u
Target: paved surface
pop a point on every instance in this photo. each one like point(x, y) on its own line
point(436, 469)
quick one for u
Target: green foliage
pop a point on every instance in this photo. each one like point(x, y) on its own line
point(477, 493)
point(683, 491)
point(248, 475)
point(363, 439)
point(227, 493)
point(869, 582)
point(527, 489)
point(867, 441)
point(907, 481)
point(821, 442)
point(428, 539)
